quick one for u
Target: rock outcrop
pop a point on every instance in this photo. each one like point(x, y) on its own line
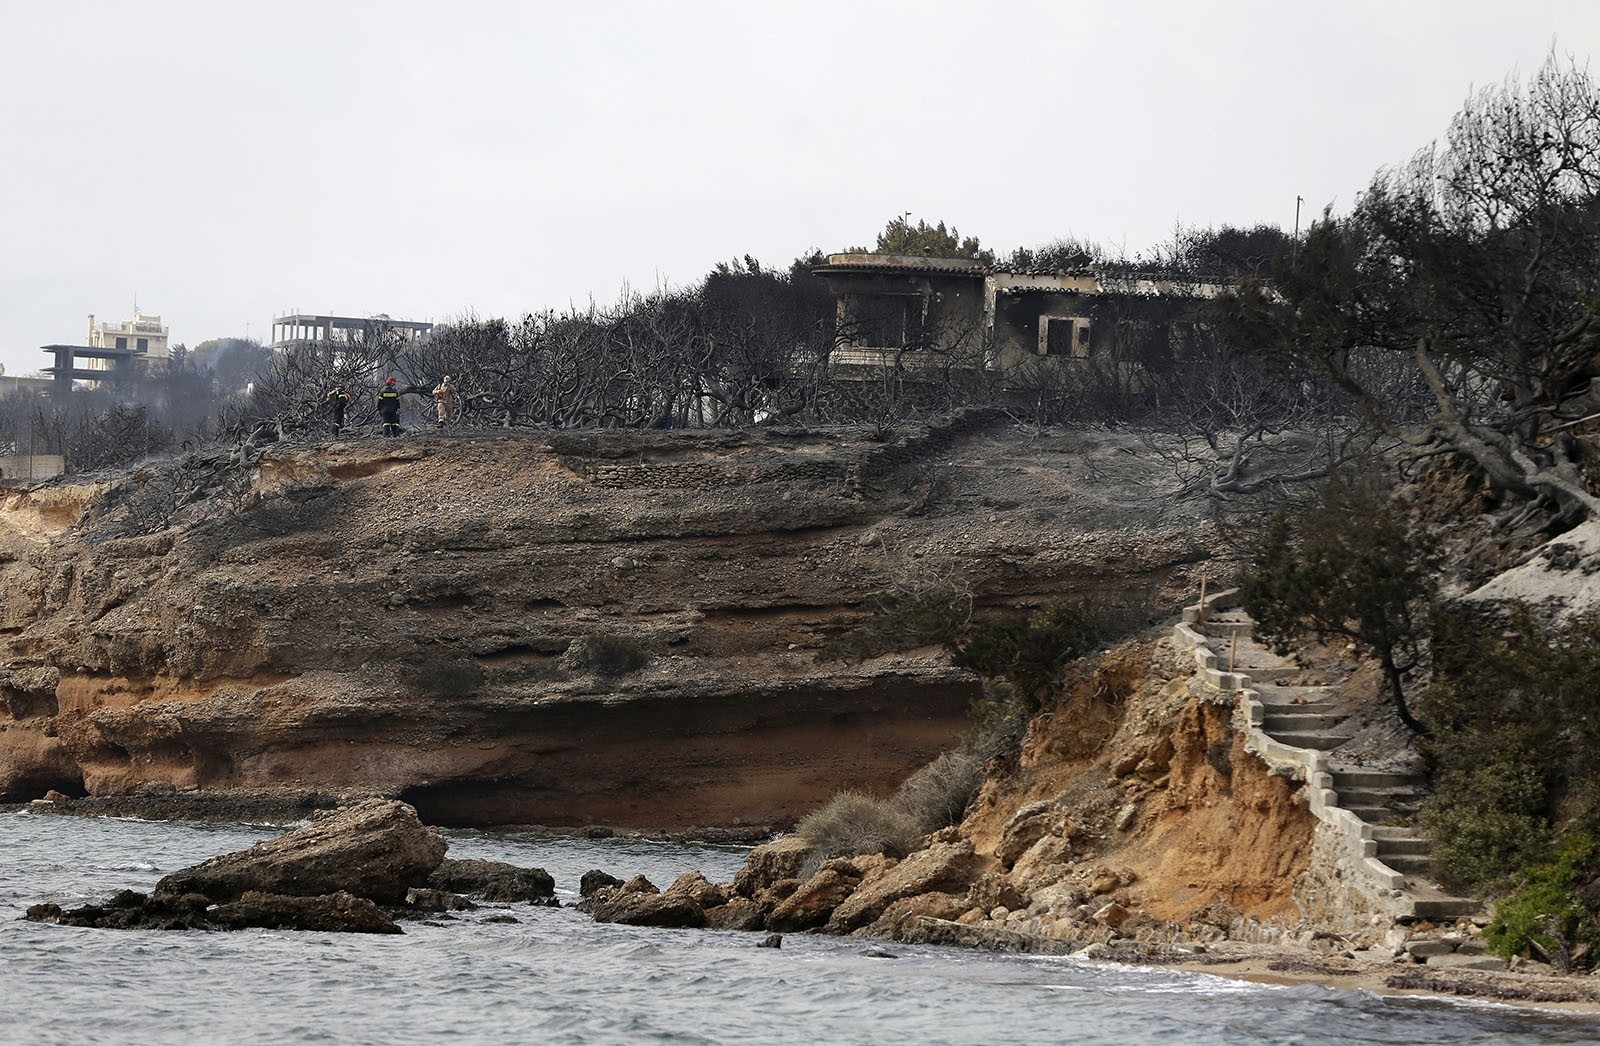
point(559, 628)
point(331, 875)
point(494, 881)
point(376, 850)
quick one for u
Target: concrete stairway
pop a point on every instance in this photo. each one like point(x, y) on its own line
point(1308, 715)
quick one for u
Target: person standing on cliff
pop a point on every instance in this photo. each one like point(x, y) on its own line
point(444, 396)
point(389, 407)
point(338, 399)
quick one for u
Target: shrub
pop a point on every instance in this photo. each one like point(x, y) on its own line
point(1545, 916)
point(1349, 567)
point(937, 795)
point(1000, 720)
point(609, 655)
point(853, 823)
point(1486, 814)
point(904, 620)
point(1516, 750)
point(453, 677)
point(1030, 651)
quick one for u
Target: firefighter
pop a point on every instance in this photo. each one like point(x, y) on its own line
point(444, 395)
point(337, 400)
point(389, 407)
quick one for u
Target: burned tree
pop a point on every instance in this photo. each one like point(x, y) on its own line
point(1458, 305)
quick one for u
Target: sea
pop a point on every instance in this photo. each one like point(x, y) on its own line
point(556, 976)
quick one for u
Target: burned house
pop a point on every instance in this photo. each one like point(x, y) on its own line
point(921, 312)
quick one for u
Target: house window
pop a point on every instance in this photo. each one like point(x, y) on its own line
point(144, 344)
point(889, 321)
point(122, 343)
point(1064, 336)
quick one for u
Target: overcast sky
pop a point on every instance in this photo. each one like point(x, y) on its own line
point(225, 162)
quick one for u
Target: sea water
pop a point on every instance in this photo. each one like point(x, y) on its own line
point(556, 976)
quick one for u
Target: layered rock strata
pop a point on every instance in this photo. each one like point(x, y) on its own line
point(432, 619)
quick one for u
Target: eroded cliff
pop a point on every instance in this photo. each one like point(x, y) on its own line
point(410, 618)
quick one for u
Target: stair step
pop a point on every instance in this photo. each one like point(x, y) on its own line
point(1412, 847)
point(1293, 698)
point(1378, 816)
point(1301, 722)
point(1446, 907)
point(1263, 673)
point(1373, 779)
point(1319, 742)
point(1409, 864)
point(1387, 798)
point(1385, 833)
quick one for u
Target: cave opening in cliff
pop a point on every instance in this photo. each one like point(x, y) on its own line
point(30, 786)
point(466, 804)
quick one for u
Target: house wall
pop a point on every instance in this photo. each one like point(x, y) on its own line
point(21, 468)
point(950, 307)
point(142, 330)
point(1118, 325)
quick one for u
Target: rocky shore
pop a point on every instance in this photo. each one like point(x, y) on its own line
point(370, 867)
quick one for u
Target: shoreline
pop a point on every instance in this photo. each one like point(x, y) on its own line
point(1575, 995)
point(1288, 965)
point(1541, 990)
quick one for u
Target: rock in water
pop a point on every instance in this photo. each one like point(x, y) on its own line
point(494, 881)
point(377, 849)
point(593, 880)
point(336, 913)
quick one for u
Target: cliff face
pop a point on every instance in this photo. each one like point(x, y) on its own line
point(411, 618)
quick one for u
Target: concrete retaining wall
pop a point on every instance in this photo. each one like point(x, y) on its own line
point(1355, 847)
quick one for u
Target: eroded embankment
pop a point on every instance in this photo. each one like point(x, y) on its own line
point(419, 619)
point(1132, 816)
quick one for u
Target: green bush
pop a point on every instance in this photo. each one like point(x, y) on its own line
point(1516, 745)
point(1545, 917)
point(903, 620)
point(853, 823)
point(608, 655)
point(453, 677)
point(1030, 652)
point(937, 795)
point(1480, 823)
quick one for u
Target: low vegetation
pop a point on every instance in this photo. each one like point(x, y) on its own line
point(608, 655)
point(1553, 915)
point(855, 823)
point(450, 677)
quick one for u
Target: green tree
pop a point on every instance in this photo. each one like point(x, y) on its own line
point(902, 237)
point(1348, 567)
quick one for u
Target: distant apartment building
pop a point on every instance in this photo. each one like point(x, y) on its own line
point(301, 328)
point(143, 336)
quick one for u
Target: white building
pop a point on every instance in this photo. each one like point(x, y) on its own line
point(143, 336)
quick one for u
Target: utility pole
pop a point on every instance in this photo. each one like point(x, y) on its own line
point(1294, 244)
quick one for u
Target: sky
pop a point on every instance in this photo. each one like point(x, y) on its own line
point(220, 164)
